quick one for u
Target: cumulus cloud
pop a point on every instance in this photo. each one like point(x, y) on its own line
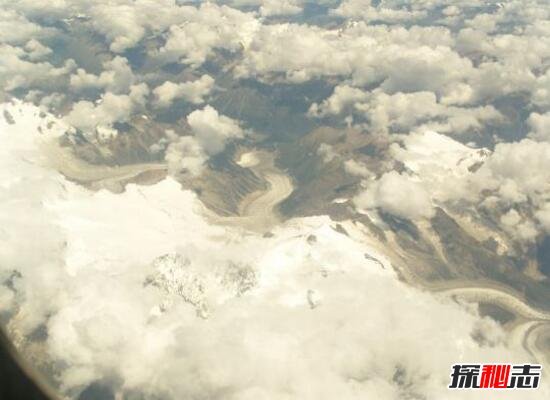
point(110, 311)
point(19, 73)
point(211, 133)
point(270, 8)
point(343, 97)
point(193, 91)
point(206, 29)
point(117, 77)
point(526, 163)
point(402, 112)
point(501, 52)
point(371, 11)
point(51, 101)
point(280, 7)
point(37, 50)
point(304, 55)
point(540, 126)
point(125, 23)
point(110, 108)
point(543, 216)
point(213, 130)
point(406, 60)
point(470, 65)
point(185, 155)
point(357, 168)
point(541, 93)
point(397, 194)
point(17, 29)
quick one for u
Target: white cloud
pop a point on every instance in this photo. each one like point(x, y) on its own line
point(527, 163)
point(357, 168)
point(483, 22)
point(185, 154)
point(540, 125)
point(270, 8)
point(280, 7)
point(364, 9)
point(397, 194)
point(296, 52)
point(37, 50)
point(402, 112)
point(543, 216)
point(467, 66)
point(111, 108)
point(206, 29)
point(126, 23)
point(343, 98)
point(213, 130)
point(541, 93)
point(404, 60)
point(16, 72)
point(192, 91)
point(17, 29)
point(51, 101)
point(117, 77)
